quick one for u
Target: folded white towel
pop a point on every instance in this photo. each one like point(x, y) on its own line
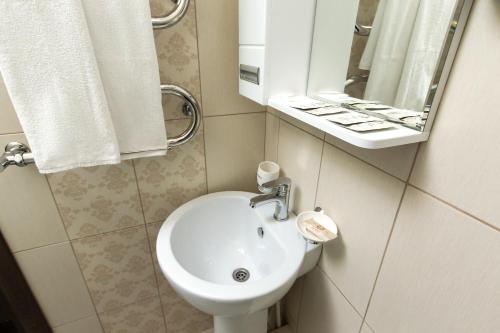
point(122, 36)
point(84, 80)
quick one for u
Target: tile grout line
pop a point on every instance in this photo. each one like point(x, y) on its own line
point(150, 247)
point(234, 114)
point(475, 218)
point(201, 95)
point(340, 291)
point(13, 133)
point(389, 238)
point(74, 252)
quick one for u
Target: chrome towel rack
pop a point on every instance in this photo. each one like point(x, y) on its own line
point(175, 16)
point(19, 154)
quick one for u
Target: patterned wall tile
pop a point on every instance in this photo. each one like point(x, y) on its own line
point(167, 182)
point(181, 317)
point(96, 200)
point(177, 50)
point(141, 317)
point(117, 267)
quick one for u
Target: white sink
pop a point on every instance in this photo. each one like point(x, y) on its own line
point(204, 241)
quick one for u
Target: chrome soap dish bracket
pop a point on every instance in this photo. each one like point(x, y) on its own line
point(19, 154)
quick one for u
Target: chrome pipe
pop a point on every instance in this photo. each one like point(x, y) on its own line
point(172, 18)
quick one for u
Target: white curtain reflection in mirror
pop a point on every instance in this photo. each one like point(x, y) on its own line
point(403, 50)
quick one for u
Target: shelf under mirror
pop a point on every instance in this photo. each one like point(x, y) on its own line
point(396, 136)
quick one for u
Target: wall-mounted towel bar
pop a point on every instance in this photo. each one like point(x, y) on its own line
point(172, 18)
point(19, 154)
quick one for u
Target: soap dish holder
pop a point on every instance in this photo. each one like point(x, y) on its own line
point(318, 216)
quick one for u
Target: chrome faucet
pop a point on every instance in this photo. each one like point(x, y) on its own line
point(280, 194)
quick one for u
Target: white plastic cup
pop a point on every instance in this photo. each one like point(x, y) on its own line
point(267, 171)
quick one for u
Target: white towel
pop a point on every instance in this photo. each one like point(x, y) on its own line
point(403, 50)
point(83, 78)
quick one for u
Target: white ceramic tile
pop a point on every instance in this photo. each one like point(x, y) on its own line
point(272, 136)
point(29, 216)
point(234, 149)
point(292, 304)
point(299, 156)
point(460, 162)
point(441, 272)
point(363, 201)
point(55, 278)
point(324, 309)
point(218, 43)
point(396, 161)
point(8, 119)
point(85, 325)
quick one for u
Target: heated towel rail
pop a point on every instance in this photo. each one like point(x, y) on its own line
point(20, 155)
point(173, 17)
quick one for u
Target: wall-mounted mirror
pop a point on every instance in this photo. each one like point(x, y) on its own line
point(396, 53)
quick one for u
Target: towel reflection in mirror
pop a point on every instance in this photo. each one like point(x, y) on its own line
point(403, 50)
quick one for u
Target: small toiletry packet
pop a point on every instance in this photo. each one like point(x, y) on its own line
point(327, 110)
point(370, 126)
point(399, 113)
point(372, 106)
point(318, 230)
point(306, 103)
point(350, 118)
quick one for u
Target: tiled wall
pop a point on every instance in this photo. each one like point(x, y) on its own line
point(85, 239)
point(419, 230)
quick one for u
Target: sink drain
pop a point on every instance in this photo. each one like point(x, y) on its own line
point(241, 275)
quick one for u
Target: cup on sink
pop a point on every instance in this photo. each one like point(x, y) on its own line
point(266, 172)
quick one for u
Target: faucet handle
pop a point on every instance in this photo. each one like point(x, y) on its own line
point(280, 182)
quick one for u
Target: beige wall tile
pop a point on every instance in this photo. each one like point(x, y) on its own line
point(117, 267)
point(85, 325)
point(272, 136)
point(324, 309)
point(363, 202)
point(441, 272)
point(177, 50)
point(292, 304)
point(143, 316)
point(396, 161)
point(299, 156)
point(235, 147)
point(297, 123)
point(8, 118)
point(181, 317)
point(218, 42)
point(54, 277)
point(28, 214)
point(167, 182)
point(163, 285)
point(460, 162)
point(98, 199)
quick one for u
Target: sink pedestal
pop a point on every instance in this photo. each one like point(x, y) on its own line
point(249, 323)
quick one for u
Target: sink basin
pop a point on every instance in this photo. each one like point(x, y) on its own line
point(230, 260)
